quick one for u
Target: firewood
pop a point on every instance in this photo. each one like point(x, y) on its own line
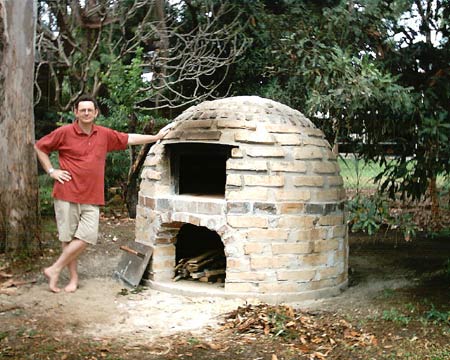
point(199, 258)
point(209, 273)
point(197, 275)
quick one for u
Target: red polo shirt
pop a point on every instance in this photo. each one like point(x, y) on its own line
point(83, 156)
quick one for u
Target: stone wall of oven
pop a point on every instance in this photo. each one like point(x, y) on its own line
point(281, 219)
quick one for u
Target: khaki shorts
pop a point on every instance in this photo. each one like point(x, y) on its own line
point(78, 221)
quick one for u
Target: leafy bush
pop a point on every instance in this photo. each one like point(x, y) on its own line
point(369, 213)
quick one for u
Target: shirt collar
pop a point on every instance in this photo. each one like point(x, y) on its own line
point(78, 130)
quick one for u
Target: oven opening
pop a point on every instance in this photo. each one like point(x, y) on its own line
point(200, 255)
point(199, 169)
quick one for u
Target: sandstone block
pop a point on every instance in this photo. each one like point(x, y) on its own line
point(234, 180)
point(267, 234)
point(253, 165)
point(326, 245)
point(339, 231)
point(241, 221)
point(264, 208)
point(327, 195)
point(296, 275)
point(297, 222)
point(282, 128)
point(238, 264)
point(162, 264)
point(202, 135)
point(254, 137)
point(238, 207)
point(315, 141)
point(322, 167)
point(292, 248)
point(236, 153)
point(316, 259)
point(308, 153)
point(245, 276)
point(328, 272)
point(331, 220)
point(254, 248)
point(312, 132)
point(194, 124)
point(263, 180)
point(164, 251)
point(288, 166)
point(288, 139)
point(210, 208)
point(235, 124)
point(291, 195)
point(310, 181)
point(259, 151)
point(250, 194)
point(152, 160)
point(291, 207)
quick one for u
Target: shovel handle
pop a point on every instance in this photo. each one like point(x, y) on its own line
point(132, 251)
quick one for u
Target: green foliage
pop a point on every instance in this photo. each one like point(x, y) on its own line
point(396, 316)
point(369, 213)
point(124, 82)
point(45, 195)
point(360, 71)
point(437, 316)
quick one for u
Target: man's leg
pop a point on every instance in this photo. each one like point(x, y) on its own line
point(73, 274)
point(70, 254)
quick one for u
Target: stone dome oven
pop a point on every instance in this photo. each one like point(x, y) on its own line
point(254, 182)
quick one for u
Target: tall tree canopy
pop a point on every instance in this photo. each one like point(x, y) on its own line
point(376, 70)
point(372, 70)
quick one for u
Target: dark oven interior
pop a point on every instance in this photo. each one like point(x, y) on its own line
point(198, 168)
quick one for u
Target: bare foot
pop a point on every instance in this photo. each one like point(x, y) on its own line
point(71, 287)
point(52, 280)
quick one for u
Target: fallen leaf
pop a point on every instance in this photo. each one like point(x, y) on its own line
point(215, 346)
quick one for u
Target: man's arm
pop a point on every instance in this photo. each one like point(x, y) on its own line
point(139, 139)
point(56, 174)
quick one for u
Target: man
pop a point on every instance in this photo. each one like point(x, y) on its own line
point(78, 190)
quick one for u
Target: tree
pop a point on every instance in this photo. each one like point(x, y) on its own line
point(18, 168)
point(78, 43)
point(81, 45)
point(377, 70)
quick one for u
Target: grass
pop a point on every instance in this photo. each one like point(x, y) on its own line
point(360, 174)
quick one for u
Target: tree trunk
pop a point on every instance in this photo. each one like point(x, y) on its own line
point(18, 167)
point(131, 191)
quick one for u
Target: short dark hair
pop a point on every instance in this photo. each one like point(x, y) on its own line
point(86, 97)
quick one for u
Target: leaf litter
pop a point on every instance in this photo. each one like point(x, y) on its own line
point(313, 334)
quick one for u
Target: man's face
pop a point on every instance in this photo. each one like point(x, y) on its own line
point(86, 112)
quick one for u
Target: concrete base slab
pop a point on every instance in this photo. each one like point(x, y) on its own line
point(195, 288)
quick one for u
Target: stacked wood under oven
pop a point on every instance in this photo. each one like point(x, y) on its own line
point(206, 267)
point(200, 255)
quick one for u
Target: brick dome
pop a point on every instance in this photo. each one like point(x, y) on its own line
point(263, 177)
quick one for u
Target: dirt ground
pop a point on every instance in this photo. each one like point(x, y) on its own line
point(396, 307)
